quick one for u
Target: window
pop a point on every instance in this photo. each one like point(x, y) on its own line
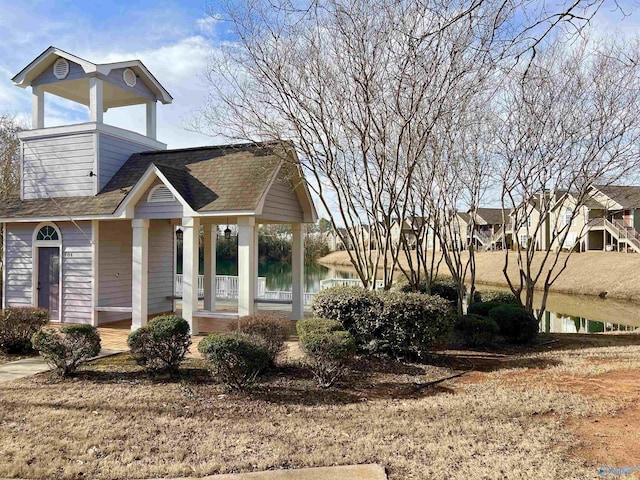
point(160, 194)
point(524, 240)
point(47, 233)
point(568, 214)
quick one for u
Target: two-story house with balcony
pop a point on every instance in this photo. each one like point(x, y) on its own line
point(91, 236)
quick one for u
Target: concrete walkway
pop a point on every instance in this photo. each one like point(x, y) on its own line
point(349, 472)
point(34, 365)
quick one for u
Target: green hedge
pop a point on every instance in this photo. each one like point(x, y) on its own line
point(328, 351)
point(476, 330)
point(351, 306)
point(161, 345)
point(496, 296)
point(17, 326)
point(482, 308)
point(235, 359)
point(516, 324)
point(442, 287)
point(65, 348)
point(393, 323)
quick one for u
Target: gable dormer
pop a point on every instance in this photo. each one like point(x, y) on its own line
point(80, 159)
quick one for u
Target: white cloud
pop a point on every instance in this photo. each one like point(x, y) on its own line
point(207, 25)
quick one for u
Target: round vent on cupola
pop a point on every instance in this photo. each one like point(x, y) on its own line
point(129, 77)
point(61, 69)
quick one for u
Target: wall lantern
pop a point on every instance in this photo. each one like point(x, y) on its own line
point(227, 233)
point(179, 234)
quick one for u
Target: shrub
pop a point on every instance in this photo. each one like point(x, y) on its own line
point(482, 308)
point(497, 296)
point(444, 288)
point(328, 352)
point(348, 305)
point(65, 348)
point(273, 330)
point(310, 326)
point(408, 325)
point(516, 324)
point(476, 330)
point(161, 345)
point(235, 359)
point(17, 326)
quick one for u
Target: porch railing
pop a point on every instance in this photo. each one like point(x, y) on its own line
point(226, 286)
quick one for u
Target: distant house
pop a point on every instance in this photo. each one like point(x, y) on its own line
point(608, 220)
point(92, 235)
point(334, 239)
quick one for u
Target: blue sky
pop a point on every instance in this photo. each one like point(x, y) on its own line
point(173, 39)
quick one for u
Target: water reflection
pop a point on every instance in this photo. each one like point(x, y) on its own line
point(561, 323)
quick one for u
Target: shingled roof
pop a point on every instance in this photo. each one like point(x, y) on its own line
point(628, 196)
point(209, 179)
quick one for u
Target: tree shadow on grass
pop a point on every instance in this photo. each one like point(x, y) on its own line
point(486, 361)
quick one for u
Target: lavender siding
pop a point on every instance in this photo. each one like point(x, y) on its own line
point(113, 152)
point(58, 166)
point(76, 272)
point(282, 203)
point(145, 209)
point(140, 88)
point(19, 266)
point(114, 268)
point(47, 76)
point(161, 235)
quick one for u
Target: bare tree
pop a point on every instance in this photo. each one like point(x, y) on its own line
point(9, 156)
point(358, 87)
point(567, 123)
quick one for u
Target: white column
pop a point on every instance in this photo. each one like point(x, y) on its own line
point(247, 266)
point(95, 271)
point(210, 242)
point(37, 107)
point(256, 258)
point(297, 272)
point(96, 103)
point(151, 119)
point(140, 274)
point(190, 227)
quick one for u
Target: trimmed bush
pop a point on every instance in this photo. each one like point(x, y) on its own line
point(65, 348)
point(17, 326)
point(497, 296)
point(311, 326)
point(443, 287)
point(235, 359)
point(482, 308)
point(273, 330)
point(328, 352)
point(516, 324)
point(476, 330)
point(350, 306)
point(409, 324)
point(161, 345)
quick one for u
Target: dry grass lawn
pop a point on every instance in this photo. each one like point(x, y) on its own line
point(518, 420)
point(6, 358)
point(588, 273)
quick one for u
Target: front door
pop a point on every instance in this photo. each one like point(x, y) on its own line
point(49, 280)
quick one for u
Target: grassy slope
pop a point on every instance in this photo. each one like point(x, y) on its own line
point(589, 273)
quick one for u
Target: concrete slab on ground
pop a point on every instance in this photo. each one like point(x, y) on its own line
point(34, 365)
point(348, 472)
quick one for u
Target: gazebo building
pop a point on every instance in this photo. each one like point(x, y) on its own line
point(92, 235)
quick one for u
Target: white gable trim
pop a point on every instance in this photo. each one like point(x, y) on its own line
point(41, 62)
point(127, 206)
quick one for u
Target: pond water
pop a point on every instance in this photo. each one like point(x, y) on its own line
point(564, 313)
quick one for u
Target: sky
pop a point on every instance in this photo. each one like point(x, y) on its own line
point(173, 39)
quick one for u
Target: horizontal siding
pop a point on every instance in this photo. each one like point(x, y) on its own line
point(47, 76)
point(167, 210)
point(160, 266)
point(114, 268)
point(140, 88)
point(19, 258)
point(281, 202)
point(113, 153)
point(58, 167)
point(76, 272)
